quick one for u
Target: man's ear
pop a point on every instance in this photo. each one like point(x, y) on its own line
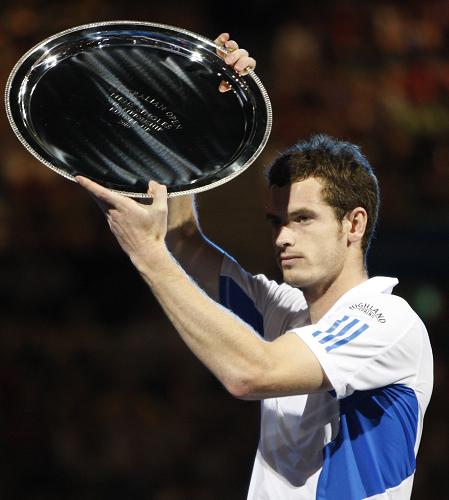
point(356, 220)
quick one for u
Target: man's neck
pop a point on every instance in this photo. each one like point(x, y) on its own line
point(322, 297)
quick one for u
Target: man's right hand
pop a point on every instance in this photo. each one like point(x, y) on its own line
point(235, 57)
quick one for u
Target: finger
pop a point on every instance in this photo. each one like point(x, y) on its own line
point(231, 45)
point(104, 195)
point(220, 41)
point(224, 86)
point(245, 65)
point(235, 56)
point(158, 192)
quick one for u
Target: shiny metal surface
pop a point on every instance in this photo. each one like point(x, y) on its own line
point(124, 102)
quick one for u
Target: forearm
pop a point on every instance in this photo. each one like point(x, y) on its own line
point(226, 345)
point(199, 257)
point(182, 220)
point(247, 365)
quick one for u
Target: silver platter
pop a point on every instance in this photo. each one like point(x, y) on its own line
point(123, 102)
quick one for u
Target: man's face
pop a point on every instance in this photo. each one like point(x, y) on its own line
point(310, 243)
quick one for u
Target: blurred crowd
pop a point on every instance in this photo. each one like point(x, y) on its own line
point(98, 396)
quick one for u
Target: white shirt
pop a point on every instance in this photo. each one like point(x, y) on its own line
point(360, 440)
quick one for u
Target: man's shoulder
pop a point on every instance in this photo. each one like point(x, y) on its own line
point(384, 309)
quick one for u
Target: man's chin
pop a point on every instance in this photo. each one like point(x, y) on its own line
point(294, 280)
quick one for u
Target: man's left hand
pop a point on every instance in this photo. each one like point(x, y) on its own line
point(139, 228)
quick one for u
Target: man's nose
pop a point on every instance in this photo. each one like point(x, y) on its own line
point(284, 238)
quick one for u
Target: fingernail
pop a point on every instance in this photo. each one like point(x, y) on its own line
point(224, 87)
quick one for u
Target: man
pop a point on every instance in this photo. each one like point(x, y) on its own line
point(343, 368)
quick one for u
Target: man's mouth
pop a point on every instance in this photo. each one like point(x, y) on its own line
point(289, 258)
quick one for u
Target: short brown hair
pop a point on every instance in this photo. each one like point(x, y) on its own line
point(348, 178)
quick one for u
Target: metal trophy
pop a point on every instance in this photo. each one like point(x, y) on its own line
point(124, 102)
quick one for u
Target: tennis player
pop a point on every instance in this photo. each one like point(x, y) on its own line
point(342, 365)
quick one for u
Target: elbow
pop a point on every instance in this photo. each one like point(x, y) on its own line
point(246, 387)
point(241, 391)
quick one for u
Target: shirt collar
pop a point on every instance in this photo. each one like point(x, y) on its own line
point(377, 284)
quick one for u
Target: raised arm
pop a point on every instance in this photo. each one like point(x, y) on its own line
point(199, 257)
point(248, 366)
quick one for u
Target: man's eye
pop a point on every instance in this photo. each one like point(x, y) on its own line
point(273, 222)
point(303, 219)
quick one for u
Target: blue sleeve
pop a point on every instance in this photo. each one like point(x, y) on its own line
point(233, 297)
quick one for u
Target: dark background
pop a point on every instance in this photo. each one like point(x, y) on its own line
point(99, 399)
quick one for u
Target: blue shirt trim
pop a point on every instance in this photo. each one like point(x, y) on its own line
point(346, 331)
point(374, 449)
point(235, 299)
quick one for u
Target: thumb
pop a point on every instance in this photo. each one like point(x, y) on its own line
point(158, 193)
point(224, 86)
